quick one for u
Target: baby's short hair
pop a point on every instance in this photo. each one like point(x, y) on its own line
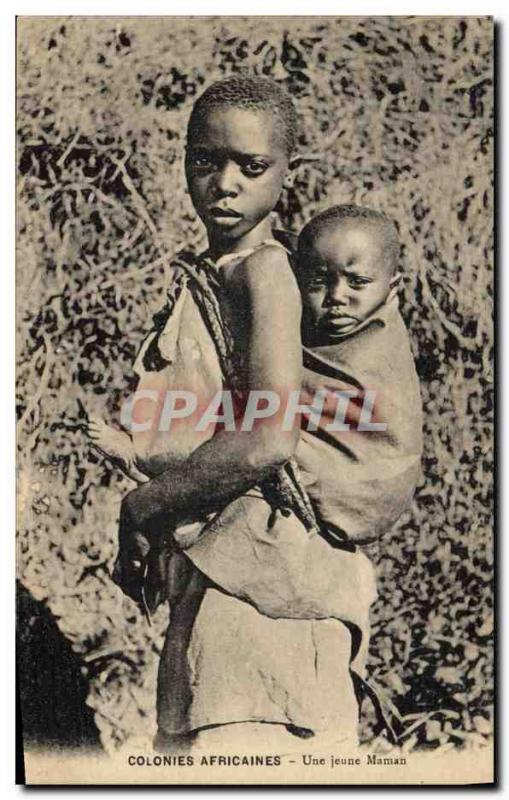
point(363, 214)
point(251, 92)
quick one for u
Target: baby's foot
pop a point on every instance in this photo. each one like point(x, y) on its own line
point(115, 445)
point(111, 442)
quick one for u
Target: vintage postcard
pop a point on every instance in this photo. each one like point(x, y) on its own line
point(255, 399)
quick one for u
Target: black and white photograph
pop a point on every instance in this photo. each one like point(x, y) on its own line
point(255, 399)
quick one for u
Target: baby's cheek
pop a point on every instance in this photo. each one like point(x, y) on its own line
point(375, 298)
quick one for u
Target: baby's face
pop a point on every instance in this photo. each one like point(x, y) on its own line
point(235, 165)
point(344, 278)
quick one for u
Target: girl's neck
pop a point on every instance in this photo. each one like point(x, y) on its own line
point(256, 236)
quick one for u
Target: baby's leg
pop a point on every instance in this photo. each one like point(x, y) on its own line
point(115, 445)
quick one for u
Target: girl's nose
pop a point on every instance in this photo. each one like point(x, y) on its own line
point(227, 180)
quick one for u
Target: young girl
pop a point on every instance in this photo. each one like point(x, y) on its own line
point(223, 662)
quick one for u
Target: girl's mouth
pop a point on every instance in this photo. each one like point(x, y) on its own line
point(219, 213)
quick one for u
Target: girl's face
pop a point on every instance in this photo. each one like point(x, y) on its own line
point(235, 166)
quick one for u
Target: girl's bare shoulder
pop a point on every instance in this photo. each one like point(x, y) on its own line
point(266, 269)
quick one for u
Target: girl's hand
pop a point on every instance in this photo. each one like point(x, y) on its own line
point(134, 546)
point(141, 568)
point(131, 536)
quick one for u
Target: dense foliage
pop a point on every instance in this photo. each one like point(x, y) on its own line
point(396, 114)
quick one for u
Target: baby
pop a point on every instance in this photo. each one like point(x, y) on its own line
point(361, 473)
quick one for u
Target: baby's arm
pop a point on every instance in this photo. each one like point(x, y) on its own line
point(115, 445)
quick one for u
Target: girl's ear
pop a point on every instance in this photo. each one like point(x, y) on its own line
point(297, 161)
point(396, 281)
point(293, 163)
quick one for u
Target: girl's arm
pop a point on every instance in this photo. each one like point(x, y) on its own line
point(232, 462)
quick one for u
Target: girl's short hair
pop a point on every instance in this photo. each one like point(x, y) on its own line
point(253, 93)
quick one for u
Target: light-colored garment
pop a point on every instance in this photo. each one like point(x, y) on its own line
point(284, 570)
point(226, 663)
point(362, 481)
point(180, 356)
point(189, 363)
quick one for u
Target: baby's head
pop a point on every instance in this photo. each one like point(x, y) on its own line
point(346, 262)
point(240, 137)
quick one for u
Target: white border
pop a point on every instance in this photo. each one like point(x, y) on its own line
point(7, 409)
point(7, 488)
point(262, 7)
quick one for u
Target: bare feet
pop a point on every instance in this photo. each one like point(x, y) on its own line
point(115, 445)
point(111, 442)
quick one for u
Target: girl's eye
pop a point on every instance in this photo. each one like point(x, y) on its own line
point(253, 168)
point(316, 283)
point(201, 161)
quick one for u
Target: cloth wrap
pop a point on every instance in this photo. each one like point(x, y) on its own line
point(361, 481)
